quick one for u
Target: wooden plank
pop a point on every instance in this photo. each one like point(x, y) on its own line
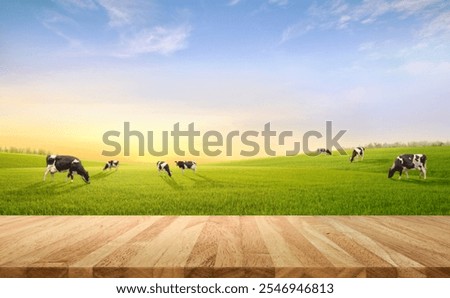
point(224, 246)
point(316, 232)
point(405, 248)
point(202, 258)
point(40, 241)
point(257, 259)
point(84, 266)
point(121, 258)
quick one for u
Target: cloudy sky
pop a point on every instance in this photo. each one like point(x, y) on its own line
point(71, 70)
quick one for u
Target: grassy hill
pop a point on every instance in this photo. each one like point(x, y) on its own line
point(300, 185)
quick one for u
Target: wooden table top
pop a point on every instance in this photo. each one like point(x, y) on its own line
point(224, 246)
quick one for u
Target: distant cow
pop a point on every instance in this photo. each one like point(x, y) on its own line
point(62, 163)
point(323, 150)
point(407, 162)
point(111, 164)
point(183, 165)
point(358, 152)
point(163, 166)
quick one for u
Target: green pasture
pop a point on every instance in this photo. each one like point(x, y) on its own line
point(300, 185)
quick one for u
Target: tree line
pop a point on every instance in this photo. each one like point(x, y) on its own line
point(12, 149)
point(408, 144)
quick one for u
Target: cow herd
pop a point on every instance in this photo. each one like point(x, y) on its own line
point(402, 163)
point(163, 166)
point(62, 163)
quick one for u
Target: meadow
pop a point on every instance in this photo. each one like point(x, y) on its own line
point(298, 185)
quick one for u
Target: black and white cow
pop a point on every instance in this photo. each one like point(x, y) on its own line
point(183, 165)
point(62, 163)
point(111, 164)
point(323, 150)
point(358, 152)
point(163, 166)
point(407, 162)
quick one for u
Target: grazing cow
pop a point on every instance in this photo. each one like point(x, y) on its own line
point(323, 150)
point(111, 164)
point(407, 162)
point(62, 163)
point(183, 165)
point(163, 166)
point(358, 152)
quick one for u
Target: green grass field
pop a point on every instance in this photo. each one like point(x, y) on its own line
point(300, 185)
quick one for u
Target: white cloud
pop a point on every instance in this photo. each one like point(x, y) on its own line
point(343, 21)
point(338, 7)
point(438, 26)
point(157, 40)
point(119, 12)
point(279, 2)
point(54, 22)
point(233, 2)
point(122, 13)
point(426, 68)
point(369, 11)
point(295, 31)
point(412, 6)
point(79, 4)
point(366, 46)
point(339, 14)
point(134, 23)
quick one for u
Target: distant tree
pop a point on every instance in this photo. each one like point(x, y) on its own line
point(27, 150)
point(409, 144)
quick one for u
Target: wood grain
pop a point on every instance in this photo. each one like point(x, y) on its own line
point(224, 246)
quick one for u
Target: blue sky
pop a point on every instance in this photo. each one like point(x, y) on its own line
point(380, 69)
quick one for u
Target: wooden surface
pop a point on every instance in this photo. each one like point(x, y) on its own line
point(228, 246)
